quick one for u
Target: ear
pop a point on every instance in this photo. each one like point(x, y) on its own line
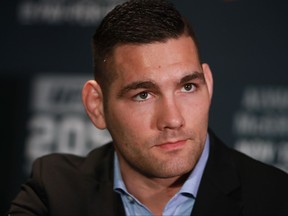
point(208, 78)
point(92, 99)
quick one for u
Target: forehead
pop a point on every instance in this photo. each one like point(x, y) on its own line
point(134, 60)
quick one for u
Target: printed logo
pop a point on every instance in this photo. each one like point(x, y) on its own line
point(58, 122)
point(261, 124)
point(60, 12)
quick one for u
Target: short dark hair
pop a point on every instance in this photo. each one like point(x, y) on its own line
point(135, 22)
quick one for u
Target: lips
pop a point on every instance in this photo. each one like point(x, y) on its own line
point(172, 145)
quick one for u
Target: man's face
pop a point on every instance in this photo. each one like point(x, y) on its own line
point(157, 108)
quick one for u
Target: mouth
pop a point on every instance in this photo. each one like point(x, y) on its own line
point(172, 145)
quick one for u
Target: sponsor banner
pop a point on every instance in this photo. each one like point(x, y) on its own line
point(58, 12)
point(58, 122)
point(260, 125)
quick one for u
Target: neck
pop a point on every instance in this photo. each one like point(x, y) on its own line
point(154, 193)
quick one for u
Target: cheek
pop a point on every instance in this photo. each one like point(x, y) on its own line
point(129, 120)
point(195, 110)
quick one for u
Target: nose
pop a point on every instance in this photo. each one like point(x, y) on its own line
point(169, 115)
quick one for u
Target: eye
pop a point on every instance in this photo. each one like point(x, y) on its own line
point(188, 87)
point(142, 96)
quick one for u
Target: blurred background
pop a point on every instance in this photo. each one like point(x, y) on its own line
point(45, 58)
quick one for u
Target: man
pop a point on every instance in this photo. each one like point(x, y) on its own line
point(153, 95)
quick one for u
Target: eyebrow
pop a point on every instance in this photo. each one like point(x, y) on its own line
point(138, 85)
point(193, 76)
point(152, 86)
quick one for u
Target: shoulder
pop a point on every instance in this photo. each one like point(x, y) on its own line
point(233, 182)
point(76, 160)
point(261, 188)
point(242, 163)
point(258, 180)
point(65, 164)
point(253, 169)
point(65, 184)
